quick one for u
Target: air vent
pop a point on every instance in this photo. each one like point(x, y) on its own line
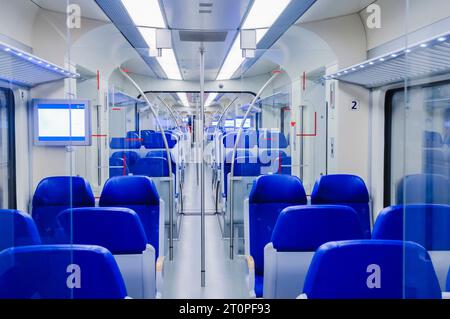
point(203, 36)
point(204, 11)
point(205, 4)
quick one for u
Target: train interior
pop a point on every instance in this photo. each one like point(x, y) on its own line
point(224, 149)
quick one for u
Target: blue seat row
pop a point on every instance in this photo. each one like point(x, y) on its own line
point(287, 239)
point(261, 139)
point(129, 224)
point(154, 164)
point(148, 139)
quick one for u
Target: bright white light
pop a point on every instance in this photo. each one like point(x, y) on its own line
point(424, 45)
point(184, 99)
point(210, 98)
point(146, 13)
point(149, 36)
point(232, 62)
point(371, 63)
point(394, 55)
point(7, 49)
point(264, 13)
point(262, 16)
point(442, 39)
point(382, 59)
point(169, 64)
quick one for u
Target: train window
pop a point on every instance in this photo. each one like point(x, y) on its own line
point(7, 173)
point(418, 152)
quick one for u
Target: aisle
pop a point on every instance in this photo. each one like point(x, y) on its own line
point(225, 278)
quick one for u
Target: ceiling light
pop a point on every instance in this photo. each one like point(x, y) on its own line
point(169, 64)
point(393, 55)
point(442, 39)
point(264, 13)
point(210, 99)
point(423, 45)
point(145, 13)
point(261, 17)
point(184, 99)
point(232, 61)
point(382, 59)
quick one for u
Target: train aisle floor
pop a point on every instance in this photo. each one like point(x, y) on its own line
point(225, 278)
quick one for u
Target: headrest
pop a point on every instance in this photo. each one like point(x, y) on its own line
point(151, 166)
point(60, 272)
point(432, 139)
point(270, 139)
point(423, 188)
point(117, 229)
point(425, 224)
point(371, 269)
point(305, 228)
point(129, 156)
point(278, 189)
point(62, 191)
point(339, 188)
point(17, 229)
point(131, 142)
point(129, 190)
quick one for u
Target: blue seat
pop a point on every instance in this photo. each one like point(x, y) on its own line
point(121, 232)
point(423, 189)
point(60, 272)
point(163, 154)
point(272, 139)
point(278, 159)
point(130, 157)
point(55, 194)
point(371, 269)
point(270, 194)
point(344, 189)
point(298, 232)
point(435, 162)
point(117, 229)
point(152, 167)
point(226, 166)
point(447, 286)
point(425, 224)
point(432, 139)
point(247, 166)
point(17, 229)
point(131, 141)
point(139, 194)
point(117, 167)
point(154, 140)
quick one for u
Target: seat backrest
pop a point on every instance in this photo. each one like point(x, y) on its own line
point(152, 167)
point(130, 157)
point(247, 166)
point(130, 141)
point(270, 194)
point(55, 194)
point(432, 139)
point(423, 189)
point(344, 189)
point(117, 229)
point(425, 224)
point(117, 167)
point(139, 194)
point(371, 269)
point(17, 229)
point(305, 228)
point(163, 154)
point(60, 272)
point(154, 140)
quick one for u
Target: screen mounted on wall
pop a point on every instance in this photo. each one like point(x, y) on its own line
point(61, 122)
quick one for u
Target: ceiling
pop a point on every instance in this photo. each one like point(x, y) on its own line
point(89, 9)
point(327, 9)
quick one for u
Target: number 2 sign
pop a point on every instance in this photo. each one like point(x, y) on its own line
point(354, 105)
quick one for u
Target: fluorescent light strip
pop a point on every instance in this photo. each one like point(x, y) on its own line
point(210, 99)
point(167, 61)
point(262, 16)
point(184, 99)
point(145, 13)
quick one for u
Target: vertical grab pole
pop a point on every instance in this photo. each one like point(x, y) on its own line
point(166, 145)
point(202, 166)
point(238, 137)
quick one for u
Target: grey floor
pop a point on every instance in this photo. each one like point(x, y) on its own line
point(225, 278)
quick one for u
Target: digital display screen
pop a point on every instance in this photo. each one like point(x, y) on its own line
point(229, 123)
point(61, 122)
point(247, 124)
point(214, 123)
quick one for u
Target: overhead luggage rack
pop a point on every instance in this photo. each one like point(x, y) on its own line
point(27, 70)
point(121, 99)
point(279, 99)
point(417, 61)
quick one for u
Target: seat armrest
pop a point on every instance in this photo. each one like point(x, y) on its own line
point(250, 277)
point(445, 295)
point(159, 276)
point(302, 296)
